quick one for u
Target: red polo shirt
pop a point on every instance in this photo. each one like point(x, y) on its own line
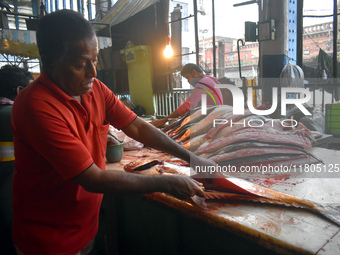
point(55, 139)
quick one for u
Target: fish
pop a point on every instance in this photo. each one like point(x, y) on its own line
point(257, 151)
point(255, 135)
point(233, 197)
point(156, 167)
point(248, 144)
point(185, 136)
point(142, 164)
point(176, 123)
point(189, 117)
point(230, 129)
point(259, 164)
point(197, 115)
point(227, 188)
point(237, 189)
point(233, 118)
point(181, 131)
point(184, 122)
point(207, 123)
point(195, 142)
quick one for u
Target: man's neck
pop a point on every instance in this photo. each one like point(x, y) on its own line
point(77, 98)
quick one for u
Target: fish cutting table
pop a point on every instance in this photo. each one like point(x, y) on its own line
point(245, 228)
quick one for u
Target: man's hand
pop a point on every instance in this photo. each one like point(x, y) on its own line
point(183, 187)
point(158, 123)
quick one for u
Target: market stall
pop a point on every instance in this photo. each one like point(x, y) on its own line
point(239, 225)
point(277, 228)
point(304, 170)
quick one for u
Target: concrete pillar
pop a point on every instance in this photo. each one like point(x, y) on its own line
point(273, 53)
point(176, 36)
point(221, 56)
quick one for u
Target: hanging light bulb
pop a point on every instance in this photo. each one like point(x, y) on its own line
point(168, 52)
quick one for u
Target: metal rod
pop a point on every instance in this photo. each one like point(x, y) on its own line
point(239, 58)
point(187, 17)
point(323, 100)
point(196, 33)
point(318, 16)
point(99, 23)
point(245, 3)
point(185, 54)
point(214, 39)
point(244, 85)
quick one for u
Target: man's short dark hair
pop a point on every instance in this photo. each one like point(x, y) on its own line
point(58, 28)
point(188, 68)
point(12, 77)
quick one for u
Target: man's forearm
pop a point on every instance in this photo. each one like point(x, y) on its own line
point(154, 138)
point(96, 180)
point(118, 182)
point(174, 114)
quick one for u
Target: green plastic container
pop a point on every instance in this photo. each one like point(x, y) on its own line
point(114, 153)
point(333, 119)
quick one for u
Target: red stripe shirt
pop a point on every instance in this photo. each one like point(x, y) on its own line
point(196, 95)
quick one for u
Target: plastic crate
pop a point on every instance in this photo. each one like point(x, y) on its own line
point(333, 119)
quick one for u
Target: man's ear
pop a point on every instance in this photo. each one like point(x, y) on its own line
point(194, 73)
point(19, 88)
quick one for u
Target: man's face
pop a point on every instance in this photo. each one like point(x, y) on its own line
point(193, 74)
point(75, 70)
point(188, 76)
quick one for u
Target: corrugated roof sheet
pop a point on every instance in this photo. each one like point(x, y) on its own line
point(124, 9)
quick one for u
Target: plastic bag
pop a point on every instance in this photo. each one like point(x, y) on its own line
point(315, 122)
point(292, 76)
point(129, 143)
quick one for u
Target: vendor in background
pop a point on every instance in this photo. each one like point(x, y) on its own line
point(12, 80)
point(60, 124)
point(203, 84)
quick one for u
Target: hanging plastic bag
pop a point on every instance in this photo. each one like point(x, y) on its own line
point(292, 76)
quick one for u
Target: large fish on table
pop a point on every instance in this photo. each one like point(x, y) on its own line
point(207, 123)
point(231, 189)
point(255, 135)
point(236, 189)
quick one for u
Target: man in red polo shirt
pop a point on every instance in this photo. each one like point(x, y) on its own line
point(60, 124)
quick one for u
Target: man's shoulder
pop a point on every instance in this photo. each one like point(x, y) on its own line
point(209, 81)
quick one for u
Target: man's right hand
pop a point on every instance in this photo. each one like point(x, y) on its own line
point(158, 123)
point(183, 186)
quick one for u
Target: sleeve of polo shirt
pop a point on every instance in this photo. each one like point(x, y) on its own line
point(117, 113)
point(185, 107)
